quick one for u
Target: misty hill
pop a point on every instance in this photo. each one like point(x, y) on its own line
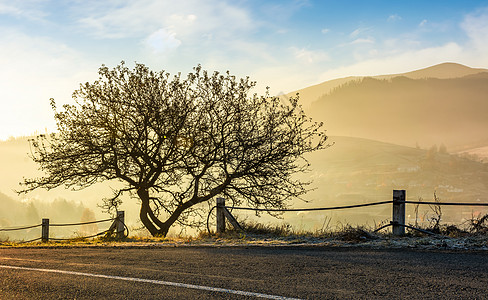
point(353, 170)
point(15, 213)
point(60, 205)
point(407, 111)
point(440, 71)
point(16, 164)
point(368, 168)
point(356, 170)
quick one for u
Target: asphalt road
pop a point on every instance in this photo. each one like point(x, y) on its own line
point(306, 273)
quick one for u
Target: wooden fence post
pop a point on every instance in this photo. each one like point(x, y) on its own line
point(120, 224)
point(45, 230)
point(398, 216)
point(220, 215)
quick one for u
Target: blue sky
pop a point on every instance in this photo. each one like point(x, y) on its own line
point(48, 47)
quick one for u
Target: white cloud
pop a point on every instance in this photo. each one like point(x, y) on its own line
point(423, 23)
point(400, 44)
point(239, 55)
point(162, 40)
point(27, 9)
point(309, 56)
point(9, 9)
point(394, 18)
point(186, 18)
point(359, 31)
point(373, 52)
point(325, 30)
point(183, 19)
point(476, 27)
point(368, 40)
point(355, 33)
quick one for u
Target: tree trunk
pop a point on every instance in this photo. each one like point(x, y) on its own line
point(171, 220)
point(144, 215)
point(150, 221)
point(164, 227)
point(155, 226)
point(145, 211)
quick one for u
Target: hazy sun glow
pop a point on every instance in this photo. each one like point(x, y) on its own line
point(47, 49)
point(422, 128)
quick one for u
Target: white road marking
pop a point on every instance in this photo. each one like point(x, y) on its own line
point(160, 282)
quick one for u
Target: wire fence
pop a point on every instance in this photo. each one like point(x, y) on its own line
point(30, 241)
point(115, 220)
point(447, 203)
point(355, 206)
point(82, 223)
point(398, 216)
point(19, 228)
point(308, 209)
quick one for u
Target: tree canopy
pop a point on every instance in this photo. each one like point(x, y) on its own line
point(176, 142)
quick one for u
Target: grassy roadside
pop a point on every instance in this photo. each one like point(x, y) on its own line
point(260, 235)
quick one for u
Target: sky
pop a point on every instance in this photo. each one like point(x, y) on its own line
point(48, 47)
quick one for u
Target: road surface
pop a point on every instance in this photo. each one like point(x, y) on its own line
point(241, 273)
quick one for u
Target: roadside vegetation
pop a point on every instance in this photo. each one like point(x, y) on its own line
point(472, 235)
point(427, 231)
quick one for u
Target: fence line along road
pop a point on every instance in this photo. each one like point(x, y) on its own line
point(398, 211)
point(118, 226)
point(20, 228)
point(310, 209)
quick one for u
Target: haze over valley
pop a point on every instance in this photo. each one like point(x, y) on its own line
point(159, 147)
point(423, 131)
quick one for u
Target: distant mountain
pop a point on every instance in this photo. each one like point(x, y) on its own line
point(372, 169)
point(314, 92)
point(356, 170)
point(408, 109)
point(441, 71)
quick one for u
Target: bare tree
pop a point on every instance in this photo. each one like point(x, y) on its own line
point(177, 142)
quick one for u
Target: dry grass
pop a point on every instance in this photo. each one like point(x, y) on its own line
point(476, 226)
point(268, 231)
point(356, 234)
point(474, 235)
